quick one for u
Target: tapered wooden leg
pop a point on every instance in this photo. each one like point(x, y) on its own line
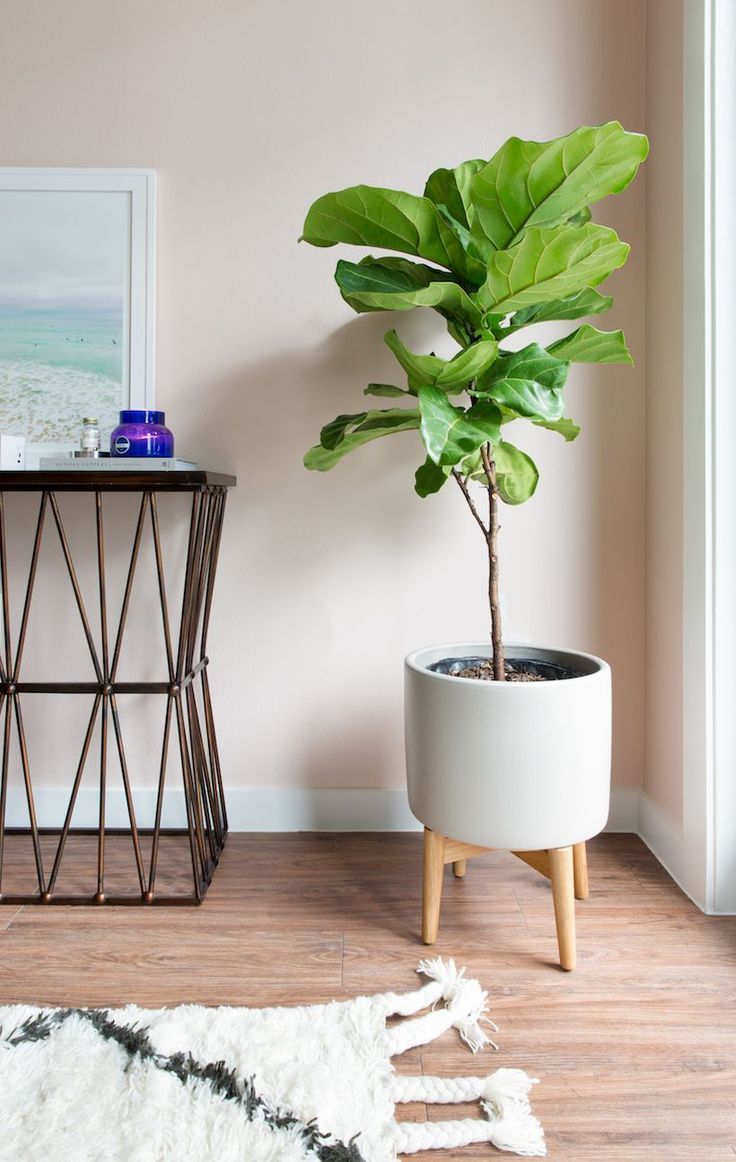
point(563, 894)
point(434, 866)
point(580, 866)
point(459, 868)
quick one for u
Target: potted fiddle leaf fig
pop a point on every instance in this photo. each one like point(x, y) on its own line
point(506, 746)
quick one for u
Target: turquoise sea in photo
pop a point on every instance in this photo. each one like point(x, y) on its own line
point(57, 367)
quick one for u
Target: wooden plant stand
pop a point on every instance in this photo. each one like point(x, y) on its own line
point(565, 867)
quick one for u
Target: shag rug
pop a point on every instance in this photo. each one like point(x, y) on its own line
point(193, 1084)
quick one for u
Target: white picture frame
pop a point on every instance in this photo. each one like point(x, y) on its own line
point(138, 220)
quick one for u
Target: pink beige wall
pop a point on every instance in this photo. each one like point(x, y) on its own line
point(248, 110)
point(663, 767)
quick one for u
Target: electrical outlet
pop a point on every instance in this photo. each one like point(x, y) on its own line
point(12, 452)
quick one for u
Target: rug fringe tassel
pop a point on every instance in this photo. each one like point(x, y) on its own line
point(509, 1123)
point(465, 1008)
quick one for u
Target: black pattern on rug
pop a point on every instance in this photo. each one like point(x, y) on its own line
point(224, 1082)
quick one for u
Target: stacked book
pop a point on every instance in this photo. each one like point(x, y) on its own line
point(115, 464)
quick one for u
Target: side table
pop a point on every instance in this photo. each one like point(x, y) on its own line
point(188, 718)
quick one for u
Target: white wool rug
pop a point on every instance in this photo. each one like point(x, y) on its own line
point(193, 1084)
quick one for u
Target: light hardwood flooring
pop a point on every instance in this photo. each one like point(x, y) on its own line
point(635, 1050)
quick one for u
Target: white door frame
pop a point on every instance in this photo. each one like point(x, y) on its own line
point(722, 896)
point(708, 873)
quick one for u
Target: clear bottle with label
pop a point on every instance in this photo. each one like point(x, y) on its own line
point(90, 439)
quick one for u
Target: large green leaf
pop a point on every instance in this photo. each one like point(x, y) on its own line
point(395, 284)
point(589, 345)
point(565, 426)
point(577, 306)
point(451, 433)
point(393, 219)
point(348, 432)
point(467, 365)
point(429, 478)
point(550, 264)
point(524, 397)
point(385, 390)
point(517, 475)
point(528, 382)
point(452, 374)
point(451, 188)
point(387, 275)
point(543, 183)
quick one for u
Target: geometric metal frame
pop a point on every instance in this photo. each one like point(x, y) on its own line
point(187, 664)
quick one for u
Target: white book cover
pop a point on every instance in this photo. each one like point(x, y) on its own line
point(115, 464)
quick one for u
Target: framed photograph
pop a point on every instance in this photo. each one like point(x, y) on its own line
point(77, 286)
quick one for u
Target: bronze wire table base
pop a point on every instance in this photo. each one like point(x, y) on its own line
point(206, 814)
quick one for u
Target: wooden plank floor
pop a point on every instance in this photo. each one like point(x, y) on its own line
point(635, 1051)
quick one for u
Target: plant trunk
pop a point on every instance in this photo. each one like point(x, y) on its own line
point(499, 661)
point(490, 536)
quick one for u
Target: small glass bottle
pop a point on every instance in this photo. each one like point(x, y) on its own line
point(90, 440)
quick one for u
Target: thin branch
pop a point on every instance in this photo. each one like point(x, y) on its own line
point(499, 664)
point(471, 504)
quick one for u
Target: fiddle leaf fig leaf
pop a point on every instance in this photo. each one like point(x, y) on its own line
point(467, 365)
point(527, 382)
point(333, 433)
point(395, 284)
point(391, 219)
point(451, 188)
point(429, 478)
point(384, 389)
point(347, 432)
point(589, 345)
point(577, 306)
point(517, 475)
point(451, 375)
point(550, 264)
point(420, 369)
point(451, 433)
point(531, 362)
point(386, 275)
point(544, 183)
point(566, 427)
point(524, 397)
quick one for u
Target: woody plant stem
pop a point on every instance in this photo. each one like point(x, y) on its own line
point(490, 536)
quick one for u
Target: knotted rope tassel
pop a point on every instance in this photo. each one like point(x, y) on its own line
point(465, 1006)
point(510, 1124)
point(504, 1096)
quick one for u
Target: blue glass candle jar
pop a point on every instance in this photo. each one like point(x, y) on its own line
point(142, 433)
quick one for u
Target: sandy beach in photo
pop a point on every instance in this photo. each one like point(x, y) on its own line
point(55, 370)
point(63, 281)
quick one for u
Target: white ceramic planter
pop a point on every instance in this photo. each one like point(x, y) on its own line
point(517, 765)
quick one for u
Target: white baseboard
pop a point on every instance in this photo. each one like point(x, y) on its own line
point(667, 843)
point(267, 809)
point(320, 809)
point(283, 809)
point(248, 808)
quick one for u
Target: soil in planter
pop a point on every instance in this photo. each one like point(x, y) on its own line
point(517, 669)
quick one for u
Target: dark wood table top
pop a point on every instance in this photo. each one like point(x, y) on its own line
point(113, 480)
